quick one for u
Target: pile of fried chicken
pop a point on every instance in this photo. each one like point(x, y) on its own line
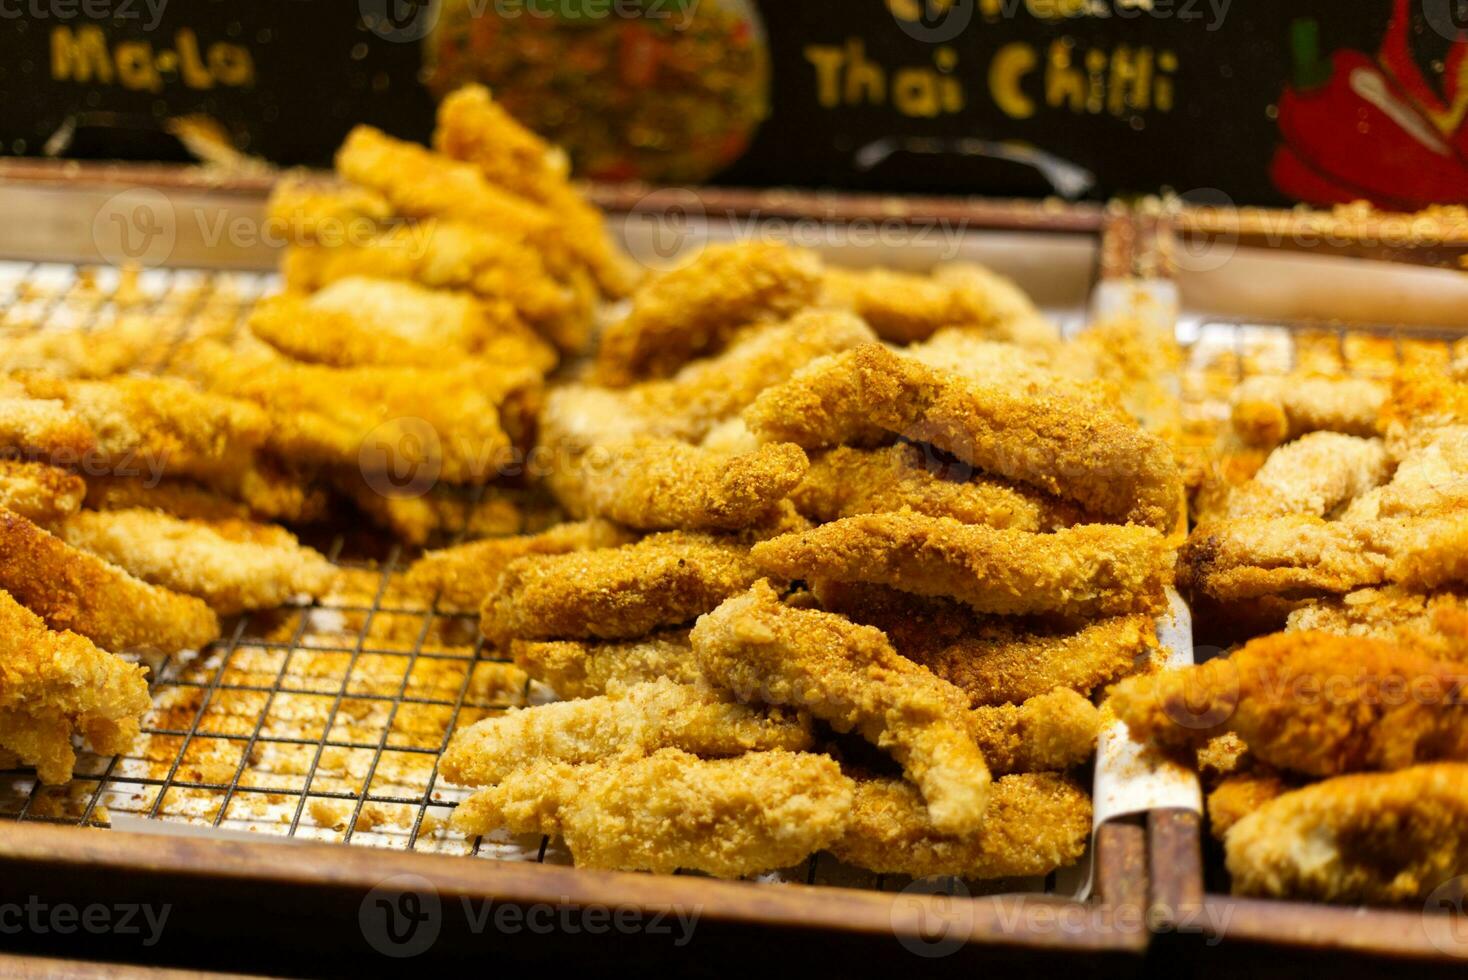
point(1336, 750)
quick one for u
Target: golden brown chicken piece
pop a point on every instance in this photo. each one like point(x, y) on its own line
point(1036, 823)
point(1101, 461)
point(1269, 410)
point(39, 492)
point(474, 128)
point(663, 484)
point(462, 576)
point(1239, 795)
point(615, 593)
point(1295, 556)
point(1049, 732)
point(444, 511)
point(1090, 570)
point(1312, 703)
point(41, 429)
point(309, 210)
point(1015, 318)
point(54, 685)
point(130, 343)
point(905, 308)
point(355, 322)
point(627, 721)
point(1315, 475)
point(583, 669)
point(760, 649)
point(672, 811)
point(1431, 478)
point(1437, 624)
point(177, 497)
point(1029, 370)
point(72, 590)
point(1379, 837)
point(995, 660)
point(846, 481)
point(696, 308)
point(232, 565)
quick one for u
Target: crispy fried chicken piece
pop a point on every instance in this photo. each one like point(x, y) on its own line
point(616, 593)
point(849, 676)
point(102, 352)
point(663, 484)
point(233, 565)
point(310, 210)
point(39, 492)
point(1101, 461)
point(1431, 478)
point(846, 481)
point(1269, 410)
point(1379, 837)
point(444, 511)
point(474, 128)
point(1241, 794)
point(1014, 316)
point(1053, 731)
point(41, 429)
point(462, 576)
point(672, 811)
point(1312, 703)
point(1031, 370)
point(54, 685)
point(1036, 823)
point(995, 660)
point(1089, 570)
point(626, 721)
point(583, 669)
point(1294, 556)
point(1437, 625)
point(904, 308)
point(177, 497)
point(72, 590)
point(1315, 474)
point(355, 322)
point(696, 308)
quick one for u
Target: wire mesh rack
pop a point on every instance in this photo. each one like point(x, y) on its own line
point(317, 721)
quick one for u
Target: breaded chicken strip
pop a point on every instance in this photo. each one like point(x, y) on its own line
point(1437, 625)
point(628, 721)
point(1380, 837)
point(1241, 794)
point(846, 481)
point(463, 575)
point(663, 484)
point(1431, 478)
point(1101, 461)
point(130, 343)
point(55, 685)
point(900, 306)
point(696, 308)
point(1089, 570)
point(1031, 370)
point(1054, 731)
point(355, 322)
point(996, 660)
point(177, 497)
point(474, 128)
point(1312, 703)
point(1294, 556)
point(232, 565)
point(1036, 823)
point(1014, 316)
point(444, 511)
point(72, 590)
point(41, 429)
point(760, 649)
point(1315, 474)
point(39, 492)
point(583, 669)
point(1269, 409)
point(616, 593)
point(330, 213)
point(672, 811)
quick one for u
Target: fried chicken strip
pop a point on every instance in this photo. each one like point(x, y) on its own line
point(759, 649)
point(627, 721)
point(1035, 823)
point(1239, 795)
point(905, 308)
point(662, 484)
point(42, 429)
point(584, 669)
point(1379, 837)
point(1053, 731)
point(1313, 703)
point(1435, 624)
point(233, 565)
point(330, 214)
point(1269, 410)
point(672, 811)
point(1089, 570)
point(102, 352)
point(1101, 461)
point(615, 593)
point(696, 308)
point(72, 590)
point(39, 492)
point(462, 576)
point(1294, 556)
point(1315, 474)
point(54, 685)
point(993, 660)
point(177, 497)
